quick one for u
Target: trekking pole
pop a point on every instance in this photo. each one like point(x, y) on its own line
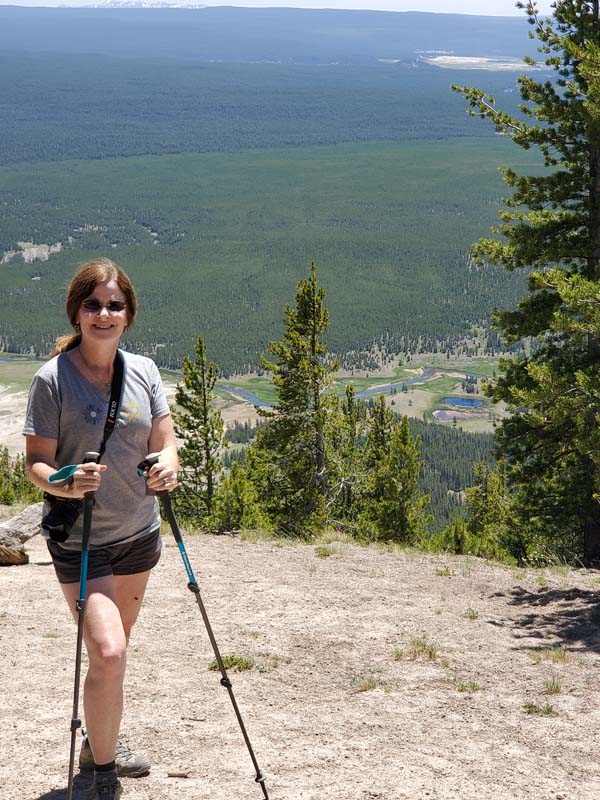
point(88, 504)
point(143, 467)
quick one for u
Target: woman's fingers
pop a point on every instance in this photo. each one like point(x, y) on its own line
point(87, 478)
point(162, 478)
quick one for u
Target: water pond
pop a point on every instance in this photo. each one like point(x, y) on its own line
point(465, 402)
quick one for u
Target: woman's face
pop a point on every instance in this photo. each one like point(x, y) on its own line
point(103, 315)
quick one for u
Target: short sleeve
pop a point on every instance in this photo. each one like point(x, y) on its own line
point(159, 406)
point(43, 410)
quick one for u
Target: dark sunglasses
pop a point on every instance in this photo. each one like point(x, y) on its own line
point(95, 306)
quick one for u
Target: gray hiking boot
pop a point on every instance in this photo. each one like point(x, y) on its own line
point(106, 790)
point(129, 765)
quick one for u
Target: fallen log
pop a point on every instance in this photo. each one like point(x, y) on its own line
point(16, 531)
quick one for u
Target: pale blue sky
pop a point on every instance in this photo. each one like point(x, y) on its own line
point(502, 8)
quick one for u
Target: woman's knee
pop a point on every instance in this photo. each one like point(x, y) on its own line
point(108, 657)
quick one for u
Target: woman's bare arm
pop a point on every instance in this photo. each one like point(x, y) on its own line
point(40, 462)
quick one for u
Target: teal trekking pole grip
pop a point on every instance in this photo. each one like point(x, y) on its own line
point(167, 506)
point(64, 475)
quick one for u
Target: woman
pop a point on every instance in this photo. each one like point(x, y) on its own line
point(67, 410)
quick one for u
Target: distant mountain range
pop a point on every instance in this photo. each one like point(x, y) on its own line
point(137, 4)
point(282, 35)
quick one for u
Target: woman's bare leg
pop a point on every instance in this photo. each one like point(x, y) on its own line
point(112, 607)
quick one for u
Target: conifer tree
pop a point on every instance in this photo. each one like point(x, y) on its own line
point(347, 455)
point(289, 459)
point(552, 219)
point(395, 505)
point(493, 533)
point(200, 428)
point(380, 426)
point(15, 487)
point(236, 505)
point(7, 489)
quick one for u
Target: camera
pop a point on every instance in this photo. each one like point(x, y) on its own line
point(61, 517)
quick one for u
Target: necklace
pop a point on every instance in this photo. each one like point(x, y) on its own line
point(91, 373)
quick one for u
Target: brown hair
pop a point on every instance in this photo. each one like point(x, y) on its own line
point(83, 285)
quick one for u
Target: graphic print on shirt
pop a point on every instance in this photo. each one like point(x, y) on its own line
point(92, 414)
point(132, 412)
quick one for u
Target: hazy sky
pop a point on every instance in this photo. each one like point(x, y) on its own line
point(503, 8)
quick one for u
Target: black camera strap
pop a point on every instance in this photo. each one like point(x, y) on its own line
point(64, 476)
point(64, 511)
point(115, 400)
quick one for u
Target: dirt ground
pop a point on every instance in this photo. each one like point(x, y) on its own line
point(378, 674)
point(12, 418)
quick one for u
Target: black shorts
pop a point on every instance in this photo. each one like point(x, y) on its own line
point(140, 555)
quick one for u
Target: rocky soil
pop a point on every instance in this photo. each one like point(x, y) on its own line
point(377, 674)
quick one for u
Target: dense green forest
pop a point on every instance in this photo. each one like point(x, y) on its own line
point(218, 151)
point(449, 455)
point(95, 106)
point(216, 242)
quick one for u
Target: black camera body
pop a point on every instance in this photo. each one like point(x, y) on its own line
point(62, 516)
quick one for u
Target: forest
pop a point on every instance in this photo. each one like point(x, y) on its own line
point(449, 455)
point(218, 152)
point(98, 106)
point(223, 238)
point(216, 168)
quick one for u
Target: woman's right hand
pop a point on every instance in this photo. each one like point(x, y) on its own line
point(86, 478)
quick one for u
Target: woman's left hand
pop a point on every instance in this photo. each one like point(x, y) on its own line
point(161, 478)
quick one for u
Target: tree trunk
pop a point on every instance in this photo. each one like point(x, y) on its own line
point(591, 542)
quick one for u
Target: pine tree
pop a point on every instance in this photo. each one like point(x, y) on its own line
point(15, 487)
point(236, 505)
point(346, 454)
point(200, 427)
point(7, 489)
point(552, 219)
point(289, 460)
point(490, 522)
point(395, 505)
point(380, 425)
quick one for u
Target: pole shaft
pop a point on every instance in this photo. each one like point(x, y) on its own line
point(88, 505)
point(195, 589)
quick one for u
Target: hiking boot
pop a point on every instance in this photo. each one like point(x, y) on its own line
point(129, 765)
point(106, 790)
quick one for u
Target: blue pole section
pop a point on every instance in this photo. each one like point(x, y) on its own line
point(88, 505)
point(186, 562)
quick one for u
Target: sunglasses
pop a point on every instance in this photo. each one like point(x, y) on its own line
point(95, 306)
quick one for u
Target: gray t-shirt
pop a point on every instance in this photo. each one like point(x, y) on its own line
point(65, 406)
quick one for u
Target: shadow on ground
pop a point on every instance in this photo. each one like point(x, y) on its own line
point(81, 789)
point(572, 615)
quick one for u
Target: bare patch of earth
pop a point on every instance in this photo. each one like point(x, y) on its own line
point(240, 412)
point(506, 64)
point(13, 405)
point(379, 674)
point(31, 252)
point(413, 403)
